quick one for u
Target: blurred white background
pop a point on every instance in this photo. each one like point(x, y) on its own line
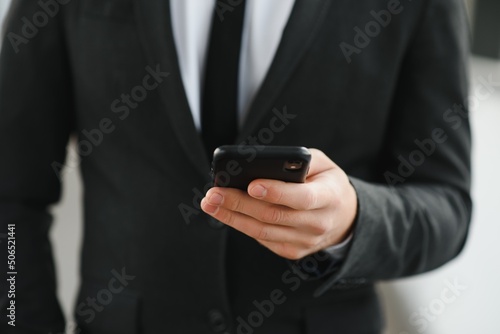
point(414, 305)
point(3, 8)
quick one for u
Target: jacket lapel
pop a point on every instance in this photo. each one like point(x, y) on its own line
point(158, 41)
point(304, 22)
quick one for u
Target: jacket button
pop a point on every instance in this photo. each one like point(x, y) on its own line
point(217, 321)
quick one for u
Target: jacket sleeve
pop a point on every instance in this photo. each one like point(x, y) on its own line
point(417, 217)
point(35, 123)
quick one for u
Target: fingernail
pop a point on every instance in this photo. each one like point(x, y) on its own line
point(215, 199)
point(208, 208)
point(258, 191)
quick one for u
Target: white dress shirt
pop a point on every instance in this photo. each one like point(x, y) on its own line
point(263, 27)
point(264, 23)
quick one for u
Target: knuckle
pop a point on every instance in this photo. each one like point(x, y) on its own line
point(275, 195)
point(227, 217)
point(272, 215)
point(319, 227)
point(263, 234)
point(311, 242)
point(292, 253)
point(309, 200)
point(235, 203)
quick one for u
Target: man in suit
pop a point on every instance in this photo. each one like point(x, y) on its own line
point(150, 86)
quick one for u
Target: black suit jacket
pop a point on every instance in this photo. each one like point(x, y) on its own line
point(387, 104)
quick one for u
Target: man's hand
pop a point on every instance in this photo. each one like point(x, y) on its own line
point(291, 219)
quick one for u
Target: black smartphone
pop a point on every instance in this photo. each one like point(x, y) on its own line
point(235, 166)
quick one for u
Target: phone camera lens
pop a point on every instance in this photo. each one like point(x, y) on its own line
point(293, 165)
